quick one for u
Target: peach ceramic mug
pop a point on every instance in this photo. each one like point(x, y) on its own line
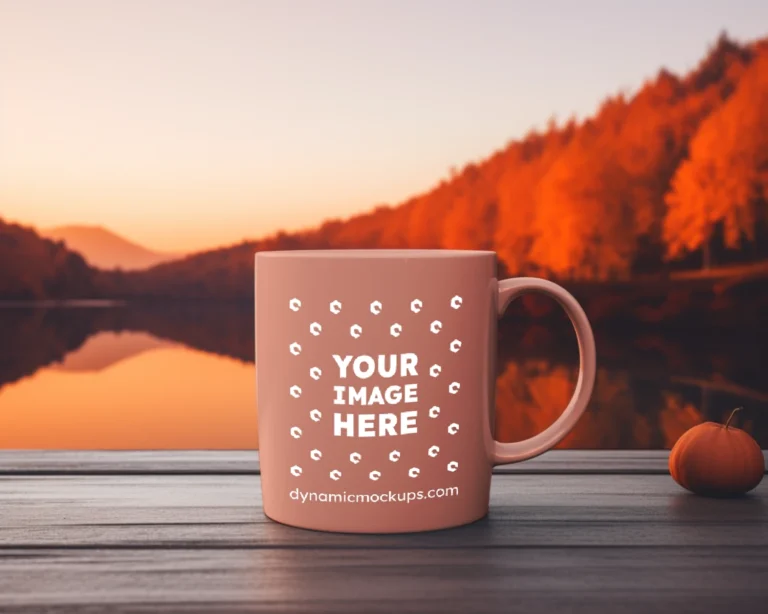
point(376, 377)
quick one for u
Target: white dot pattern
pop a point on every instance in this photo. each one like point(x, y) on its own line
point(376, 308)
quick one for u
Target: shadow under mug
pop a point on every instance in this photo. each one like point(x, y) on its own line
point(376, 374)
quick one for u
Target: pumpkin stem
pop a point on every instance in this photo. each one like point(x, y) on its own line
point(733, 413)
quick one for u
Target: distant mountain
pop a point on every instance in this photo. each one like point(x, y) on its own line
point(672, 177)
point(32, 267)
point(106, 250)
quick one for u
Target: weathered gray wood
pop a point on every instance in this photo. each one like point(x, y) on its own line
point(572, 580)
point(200, 544)
point(128, 462)
point(218, 512)
point(47, 462)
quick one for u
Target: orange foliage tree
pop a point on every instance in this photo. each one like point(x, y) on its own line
point(586, 222)
point(725, 180)
point(527, 163)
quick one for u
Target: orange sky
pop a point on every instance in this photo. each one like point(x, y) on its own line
point(187, 125)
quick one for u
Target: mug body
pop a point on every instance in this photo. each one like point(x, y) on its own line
point(375, 379)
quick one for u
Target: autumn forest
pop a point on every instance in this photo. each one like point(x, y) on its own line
point(672, 178)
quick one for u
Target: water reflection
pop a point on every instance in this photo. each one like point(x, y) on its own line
point(534, 393)
point(182, 377)
point(132, 391)
point(106, 349)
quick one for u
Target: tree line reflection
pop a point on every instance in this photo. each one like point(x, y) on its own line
point(651, 386)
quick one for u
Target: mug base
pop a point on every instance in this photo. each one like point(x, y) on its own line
point(379, 531)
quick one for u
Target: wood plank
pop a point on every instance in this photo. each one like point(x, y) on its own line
point(573, 580)
point(245, 462)
point(128, 462)
point(224, 512)
point(200, 544)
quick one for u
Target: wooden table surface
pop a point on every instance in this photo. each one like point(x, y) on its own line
point(184, 532)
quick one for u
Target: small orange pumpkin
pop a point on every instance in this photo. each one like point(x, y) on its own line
point(717, 460)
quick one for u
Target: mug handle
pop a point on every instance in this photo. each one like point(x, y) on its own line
point(509, 290)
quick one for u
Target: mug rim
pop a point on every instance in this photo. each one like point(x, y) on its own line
point(376, 253)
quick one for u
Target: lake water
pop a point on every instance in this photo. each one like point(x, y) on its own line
point(182, 376)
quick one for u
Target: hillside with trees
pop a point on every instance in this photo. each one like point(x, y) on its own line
point(671, 178)
point(33, 268)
